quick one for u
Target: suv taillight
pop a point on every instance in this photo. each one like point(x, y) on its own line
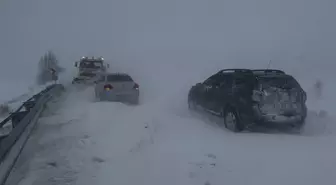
point(136, 86)
point(108, 87)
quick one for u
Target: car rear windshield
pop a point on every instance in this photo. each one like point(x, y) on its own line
point(88, 74)
point(279, 81)
point(119, 78)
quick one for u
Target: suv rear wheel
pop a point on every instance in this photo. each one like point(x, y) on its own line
point(231, 120)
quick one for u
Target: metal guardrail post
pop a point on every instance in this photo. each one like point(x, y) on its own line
point(17, 117)
point(29, 104)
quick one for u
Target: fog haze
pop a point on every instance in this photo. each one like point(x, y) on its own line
point(190, 39)
point(168, 46)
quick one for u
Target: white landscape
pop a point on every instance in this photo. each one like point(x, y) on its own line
point(167, 46)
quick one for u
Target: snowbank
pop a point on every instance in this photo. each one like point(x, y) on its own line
point(12, 98)
point(14, 93)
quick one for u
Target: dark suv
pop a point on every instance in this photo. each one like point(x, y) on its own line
point(245, 97)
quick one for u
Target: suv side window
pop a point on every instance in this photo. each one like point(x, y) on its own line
point(244, 80)
point(239, 81)
point(243, 85)
point(226, 81)
point(212, 80)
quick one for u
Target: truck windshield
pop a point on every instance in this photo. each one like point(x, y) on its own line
point(91, 64)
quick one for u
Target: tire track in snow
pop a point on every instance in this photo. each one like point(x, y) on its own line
point(113, 143)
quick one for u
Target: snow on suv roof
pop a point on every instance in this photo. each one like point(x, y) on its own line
point(267, 72)
point(235, 71)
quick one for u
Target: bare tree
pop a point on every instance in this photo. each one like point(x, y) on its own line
point(48, 68)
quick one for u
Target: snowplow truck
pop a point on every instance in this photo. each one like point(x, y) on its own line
point(88, 68)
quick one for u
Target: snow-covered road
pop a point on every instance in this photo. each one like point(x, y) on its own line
point(84, 142)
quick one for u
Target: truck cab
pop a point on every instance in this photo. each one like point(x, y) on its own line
point(89, 67)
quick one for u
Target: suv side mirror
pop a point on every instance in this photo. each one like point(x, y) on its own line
point(76, 64)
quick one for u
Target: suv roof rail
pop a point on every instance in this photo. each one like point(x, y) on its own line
point(268, 71)
point(116, 73)
point(237, 70)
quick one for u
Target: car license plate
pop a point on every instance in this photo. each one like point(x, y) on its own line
point(286, 105)
point(120, 96)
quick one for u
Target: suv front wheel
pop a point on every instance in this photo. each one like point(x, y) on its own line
point(231, 120)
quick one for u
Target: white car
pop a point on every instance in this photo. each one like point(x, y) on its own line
point(116, 87)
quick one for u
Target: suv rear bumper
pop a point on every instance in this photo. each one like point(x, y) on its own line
point(278, 119)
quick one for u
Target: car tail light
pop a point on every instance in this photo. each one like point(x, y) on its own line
point(108, 87)
point(136, 86)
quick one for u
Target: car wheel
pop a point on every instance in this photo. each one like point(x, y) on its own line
point(136, 101)
point(231, 120)
point(133, 100)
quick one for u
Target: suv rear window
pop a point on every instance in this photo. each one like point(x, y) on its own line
point(119, 78)
point(279, 81)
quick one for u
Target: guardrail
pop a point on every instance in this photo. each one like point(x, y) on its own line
point(23, 121)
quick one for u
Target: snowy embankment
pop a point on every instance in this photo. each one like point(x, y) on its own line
point(13, 94)
point(161, 142)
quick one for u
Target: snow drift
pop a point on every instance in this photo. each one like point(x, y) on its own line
point(167, 46)
point(161, 142)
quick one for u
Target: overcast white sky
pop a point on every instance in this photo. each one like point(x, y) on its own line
point(187, 37)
